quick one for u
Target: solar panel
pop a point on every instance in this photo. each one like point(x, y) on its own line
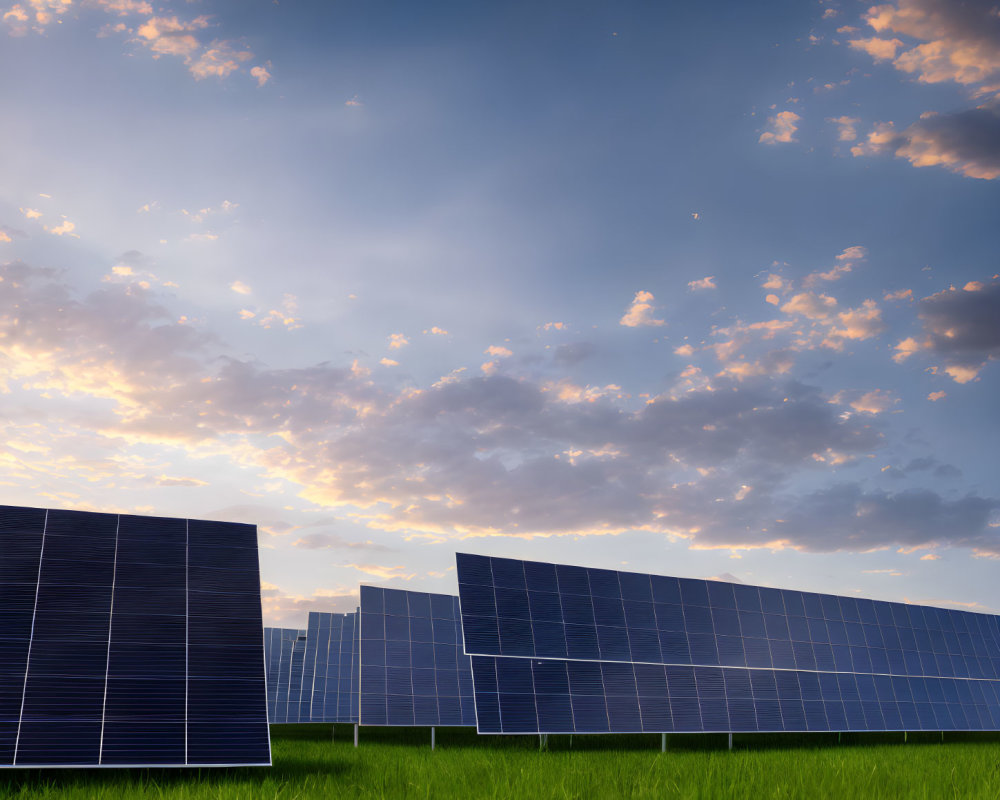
point(129, 641)
point(330, 647)
point(278, 644)
point(295, 676)
point(413, 668)
point(562, 649)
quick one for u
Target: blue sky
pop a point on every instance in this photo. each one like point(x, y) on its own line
point(699, 291)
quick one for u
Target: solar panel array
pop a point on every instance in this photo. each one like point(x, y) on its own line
point(413, 668)
point(313, 673)
point(278, 644)
point(567, 649)
point(129, 640)
point(332, 660)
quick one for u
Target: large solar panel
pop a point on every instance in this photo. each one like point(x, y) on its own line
point(129, 641)
point(566, 649)
point(332, 658)
point(278, 644)
point(413, 668)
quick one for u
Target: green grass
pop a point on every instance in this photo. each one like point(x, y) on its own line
point(398, 763)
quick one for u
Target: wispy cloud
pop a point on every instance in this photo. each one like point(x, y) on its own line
point(641, 312)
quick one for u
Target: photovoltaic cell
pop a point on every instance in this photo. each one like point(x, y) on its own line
point(413, 669)
point(566, 649)
point(129, 641)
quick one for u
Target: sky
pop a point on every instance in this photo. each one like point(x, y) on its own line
point(696, 290)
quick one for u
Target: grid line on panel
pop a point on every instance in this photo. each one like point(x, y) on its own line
point(107, 663)
point(31, 638)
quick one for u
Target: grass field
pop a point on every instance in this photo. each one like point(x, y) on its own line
point(398, 763)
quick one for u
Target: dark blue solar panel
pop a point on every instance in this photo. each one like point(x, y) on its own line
point(278, 643)
point(715, 656)
point(330, 647)
point(129, 640)
point(412, 666)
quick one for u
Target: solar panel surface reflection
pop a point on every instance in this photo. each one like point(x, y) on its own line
point(413, 669)
point(558, 648)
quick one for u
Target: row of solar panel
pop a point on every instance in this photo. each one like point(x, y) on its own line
point(546, 640)
point(129, 640)
point(504, 573)
point(409, 649)
point(509, 608)
point(312, 674)
point(515, 695)
point(404, 664)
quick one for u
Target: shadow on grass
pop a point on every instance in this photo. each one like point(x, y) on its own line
point(287, 769)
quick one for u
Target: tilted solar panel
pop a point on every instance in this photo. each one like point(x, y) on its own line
point(295, 676)
point(129, 640)
point(413, 669)
point(278, 643)
point(567, 649)
point(329, 684)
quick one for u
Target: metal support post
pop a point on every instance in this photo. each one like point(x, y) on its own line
point(904, 737)
point(355, 734)
point(432, 737)
point(730, 741)
point(838, 737)
point(663, 743)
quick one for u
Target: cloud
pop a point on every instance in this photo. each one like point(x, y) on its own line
point(962, 326)
point(31, 213)
point(847, 517)
point(640, 312)
point(284, 317)
point(219, 60)
point(166, 480)
point(282, 608)
point(261, 74)
point(36, 13)
point(846, 262)
point(64, 228)
point(702, 283)
point(332, 541)
point(879, 49)
point(846, 127)
point(959, 42)
point(172, 36)
point(783, 126)
point(935, 396)
point(388, 362)
point(966, 143)
point(436, 331)
point(468, 455)
point(8, 234)
point(397, 341)
point(811, 305)
point(240, 288)
point(384, 572)
point(573, 353)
